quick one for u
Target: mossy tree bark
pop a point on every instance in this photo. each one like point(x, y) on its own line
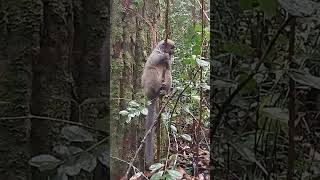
point(131, 41)
point(54, 58)
point(19, 44)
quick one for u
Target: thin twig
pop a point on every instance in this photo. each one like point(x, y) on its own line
point(169, 145)
point(51, 119)
point(205, 14)
point(135, 168)
point(181, 93)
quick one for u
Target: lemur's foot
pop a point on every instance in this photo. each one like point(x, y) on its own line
point(163, 85)
point(163, 92)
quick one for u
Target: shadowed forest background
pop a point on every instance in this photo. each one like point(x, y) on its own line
point(71, 101)
point(54, 87)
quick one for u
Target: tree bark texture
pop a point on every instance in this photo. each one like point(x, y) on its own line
point(132, 39)
point(54, 57)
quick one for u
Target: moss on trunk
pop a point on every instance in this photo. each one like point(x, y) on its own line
point(19, 45)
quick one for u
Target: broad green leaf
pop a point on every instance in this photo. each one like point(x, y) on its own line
point(104, 158)
point(136, 113)
point(175, 174)
point(195, 97)
point(87, 161)
point(269, 7)
point(123, 113)
point(186, 137)
point(173, 128)
point(249, 155)
point(76, 134)
point(144, 111)
point(188, 61)
point(250, 87)
point(134, 104)
point(277, 113)
point(64, 151)
point(157, 176)
point(44, 162)
point(281, 117)
point(156, 166)
point(71, 170)
point(128, 120)
point(202, 63)
point(60, 175)
point(305, 78)
point(131, 115)
point(205, 86)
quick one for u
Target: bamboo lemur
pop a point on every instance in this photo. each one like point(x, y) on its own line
point(155, 84)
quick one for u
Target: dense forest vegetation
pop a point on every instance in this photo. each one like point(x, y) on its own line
point(136, 29)
point(244, 103)
point(265, 89)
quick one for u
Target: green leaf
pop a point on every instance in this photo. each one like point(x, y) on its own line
point(188, 61)
point(305, 78)
point(195, 97)
point(249, 155)
point(76, 134)
point(157, 176)
point(60, 175)
point(128, 120)
point(123, 113)
point(173, 128)
point(61, 150)
point(44, 162)
point(71, 170)
point(186, 137)
point(277, 113)
point(156, 166)
point(242, 50)
point(250, 87)
point(87, 161)
point(205, 86)
point(133, 104)
point(104, 158)
point(245, 4)
point(174, 174)
point(202, 63)
point(269, 7)
point(144, 111)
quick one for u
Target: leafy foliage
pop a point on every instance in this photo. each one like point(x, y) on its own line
point(74, 159)
point(251, 141)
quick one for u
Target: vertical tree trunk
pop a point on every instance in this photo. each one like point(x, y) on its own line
point(51, 95)
point(19, 44)
point(131, 28)
point(53, 57)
